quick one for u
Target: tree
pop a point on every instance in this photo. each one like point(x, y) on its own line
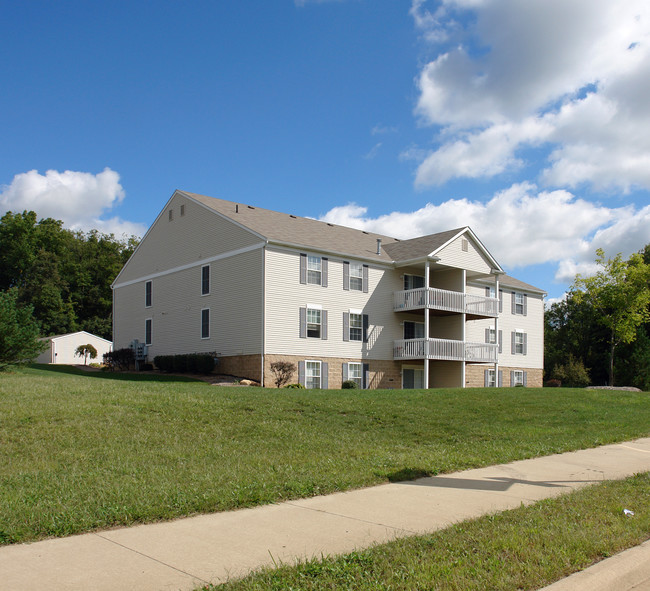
point(619, 294)
point(18, 331)
point(282, 371)
point(86, 351)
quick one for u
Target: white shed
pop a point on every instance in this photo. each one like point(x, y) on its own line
point(63, 346)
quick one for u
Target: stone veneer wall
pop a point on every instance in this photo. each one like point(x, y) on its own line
point(383, 374)
point(475, 376)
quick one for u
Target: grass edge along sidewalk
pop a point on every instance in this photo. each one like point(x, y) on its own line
point(524, 548)
point(89, 452)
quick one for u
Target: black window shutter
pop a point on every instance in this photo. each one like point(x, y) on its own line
point(303, 268)
point(365, 328)
point(303, 323)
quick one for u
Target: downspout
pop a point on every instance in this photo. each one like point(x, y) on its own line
point(263, 311)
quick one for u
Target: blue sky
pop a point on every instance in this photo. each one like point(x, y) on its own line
point(528, 121)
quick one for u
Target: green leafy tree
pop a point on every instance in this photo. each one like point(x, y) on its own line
point(619, 294)
point(18, 331)
point(86, 351)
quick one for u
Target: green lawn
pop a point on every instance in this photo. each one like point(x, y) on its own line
point(525, 548)
point(81, 452)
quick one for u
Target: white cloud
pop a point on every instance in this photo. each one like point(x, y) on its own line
point(79, 199)
point(520, 226)
point(574, 74)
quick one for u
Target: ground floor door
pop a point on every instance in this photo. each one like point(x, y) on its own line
point(412, 378)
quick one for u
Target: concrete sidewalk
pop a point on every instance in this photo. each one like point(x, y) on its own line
point(190, 552)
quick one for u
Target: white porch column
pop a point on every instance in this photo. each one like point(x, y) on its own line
point(496, 331)
point(426, 326)
point(463, 334)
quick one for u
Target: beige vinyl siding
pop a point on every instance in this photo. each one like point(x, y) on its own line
point(446, 327)
point(532, 324)
point(453, 255)
point(197, 235)
point(285, 295)
point(450, 279)
point(445, 374)
point(235, 303)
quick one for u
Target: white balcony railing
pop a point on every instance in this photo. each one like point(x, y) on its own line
point(443, 299)
point(445, 349)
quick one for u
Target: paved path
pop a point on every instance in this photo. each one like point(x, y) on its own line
point(189, 552)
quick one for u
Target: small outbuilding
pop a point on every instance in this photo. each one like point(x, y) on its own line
point(63, 346)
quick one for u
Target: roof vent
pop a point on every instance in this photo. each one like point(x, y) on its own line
point(378, 245)
point(236, 208)
point(250, 207)
point(292, 216)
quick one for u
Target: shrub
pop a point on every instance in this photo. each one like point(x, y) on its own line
point(573, 373)
point(283, 372)
point(120, 359)
point(554, 383)
point(349, 385)
point(299, 386)
point(187, 363)
point(18, 331)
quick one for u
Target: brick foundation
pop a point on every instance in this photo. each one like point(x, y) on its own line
point(242, 366)
point(382, 374)
point(475, 376)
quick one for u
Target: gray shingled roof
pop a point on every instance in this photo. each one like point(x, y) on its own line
point(419, 247)
point(289, 229)
point(308, 233)
point(508, 281)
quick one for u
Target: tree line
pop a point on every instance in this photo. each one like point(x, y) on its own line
point(600, 333)
point(64, 276)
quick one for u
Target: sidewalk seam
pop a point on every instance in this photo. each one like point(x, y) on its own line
point(392, 527)
point(152, 558)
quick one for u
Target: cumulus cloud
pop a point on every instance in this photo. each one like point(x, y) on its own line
point(520, 226)
point(511, 74)
point(79, 199)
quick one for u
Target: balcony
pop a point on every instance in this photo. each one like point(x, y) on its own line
point(445, 301)
point(444, 349)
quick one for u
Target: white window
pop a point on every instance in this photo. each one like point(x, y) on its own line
point(356, 276)
point(413, 330)
point(492, 336)
point(314, 270)
point(356, 327)
point(520, 343)
point(147, 331)
point(355, 373)
point(314, 323)
point(205, 279)
point(312, 374)
point(517, 378)
point(519, 303)
point(205, 323)
point(491, 378)
point(148, 290)
point(490, 292)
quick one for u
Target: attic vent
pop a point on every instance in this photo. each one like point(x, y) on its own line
point(364, 231)
point(250, 207)
point(465, 245)
point(292, 216)
point(331, 225)
point(171, 215)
